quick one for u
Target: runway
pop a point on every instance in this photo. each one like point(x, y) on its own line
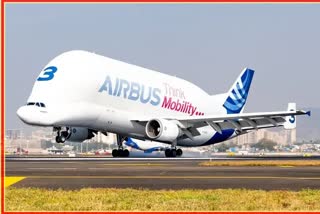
point(156, 174)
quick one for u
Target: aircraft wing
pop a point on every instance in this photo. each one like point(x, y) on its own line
point(241, 122)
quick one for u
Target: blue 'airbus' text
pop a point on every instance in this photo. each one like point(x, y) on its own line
point(131, 90)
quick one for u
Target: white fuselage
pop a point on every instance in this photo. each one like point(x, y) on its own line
point(83, 89)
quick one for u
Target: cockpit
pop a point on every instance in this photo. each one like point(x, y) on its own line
point(39, 104)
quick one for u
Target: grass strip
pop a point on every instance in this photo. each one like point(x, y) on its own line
point(109, 199)
point(283, 163)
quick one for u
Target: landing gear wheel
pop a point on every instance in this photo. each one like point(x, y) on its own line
point(173, 153)
point(115, 153)
point(62, 136)
point(167, 152)
point(120, 153)
point(60, 139)
point(126, 153)
point(179, 152)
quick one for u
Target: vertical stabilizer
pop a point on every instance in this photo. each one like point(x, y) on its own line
point(238, 93)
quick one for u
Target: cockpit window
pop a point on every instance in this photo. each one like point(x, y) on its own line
point(42, 105)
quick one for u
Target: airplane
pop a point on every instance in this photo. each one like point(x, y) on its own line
point(79, 93)
point(149, 146)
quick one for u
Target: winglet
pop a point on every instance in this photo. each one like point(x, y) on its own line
point(291, 122)
point(308, 113)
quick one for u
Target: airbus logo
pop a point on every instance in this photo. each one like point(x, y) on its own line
point(131, 90)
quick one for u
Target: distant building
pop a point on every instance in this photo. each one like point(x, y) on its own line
point(283, 137)
point(43, 133)
point(13, 134)
point(108, 139)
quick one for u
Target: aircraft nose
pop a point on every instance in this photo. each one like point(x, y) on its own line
point(33, 116)
point(23, 114)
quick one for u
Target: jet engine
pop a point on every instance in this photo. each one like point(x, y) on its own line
point(162, 130)
point(75, 134)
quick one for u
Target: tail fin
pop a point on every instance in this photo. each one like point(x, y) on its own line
point(291, 120)
point(238, 93)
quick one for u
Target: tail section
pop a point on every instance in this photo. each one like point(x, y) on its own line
point(291, 122)
point(238, 93)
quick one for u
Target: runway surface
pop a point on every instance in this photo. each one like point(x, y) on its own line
point(155, 174)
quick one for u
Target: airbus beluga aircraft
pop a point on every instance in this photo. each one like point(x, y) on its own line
point(79, 93)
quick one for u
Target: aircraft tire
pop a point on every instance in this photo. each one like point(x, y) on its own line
point(60, 139)
point(173, 153)
point(57, 139)
point(179, 152)
point(167, 152)
point(115, 153)
point(126, 153)
point(121, 153)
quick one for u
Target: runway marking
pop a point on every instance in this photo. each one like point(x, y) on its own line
point(173, 177)
point(8, 181)
point(49, 168)
point(284, 166)
point(138, 164)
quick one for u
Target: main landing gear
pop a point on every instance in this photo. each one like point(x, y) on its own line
point(173, 152)
point(120, 152)
point(62, 135)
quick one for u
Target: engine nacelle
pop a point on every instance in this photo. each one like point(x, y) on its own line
point(163, 130)
point(79, 134)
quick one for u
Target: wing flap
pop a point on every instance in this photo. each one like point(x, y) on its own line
point(243, 124)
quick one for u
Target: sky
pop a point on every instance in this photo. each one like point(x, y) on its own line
point(206, 44)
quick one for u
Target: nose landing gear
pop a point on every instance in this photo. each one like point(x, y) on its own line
point(62, 136)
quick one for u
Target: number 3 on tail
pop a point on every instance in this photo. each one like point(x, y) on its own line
point(292, 119)
point(48, 73)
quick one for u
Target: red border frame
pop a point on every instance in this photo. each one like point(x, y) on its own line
point(97, 1)
point(2, 106)
point(162, 1)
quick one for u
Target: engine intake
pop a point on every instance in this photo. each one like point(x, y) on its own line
point(162, 130)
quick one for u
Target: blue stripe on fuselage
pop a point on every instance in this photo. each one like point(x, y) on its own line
point(132, 144)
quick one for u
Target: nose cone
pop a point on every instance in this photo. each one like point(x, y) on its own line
point(32, 115)
point(23, 114)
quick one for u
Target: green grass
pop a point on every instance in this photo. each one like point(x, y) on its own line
point(262, 163)
point(88, 199)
